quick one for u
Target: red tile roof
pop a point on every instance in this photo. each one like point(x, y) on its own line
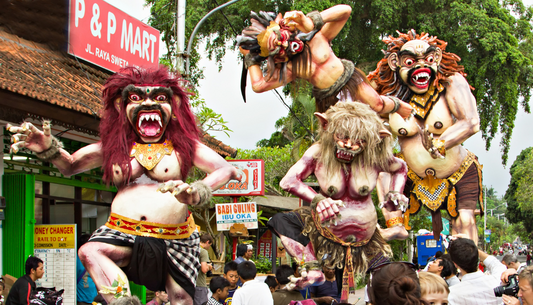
point(33, 70)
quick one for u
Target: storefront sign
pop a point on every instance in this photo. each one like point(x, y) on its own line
point(230, 213)
point(56, 246)
point(264, 245)
point(252, 181)
point(108, 37)
point(55, 237)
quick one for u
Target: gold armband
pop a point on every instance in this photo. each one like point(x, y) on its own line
point(396, 221)
point(439, 145)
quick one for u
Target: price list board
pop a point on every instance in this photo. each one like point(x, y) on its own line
point(56, 246)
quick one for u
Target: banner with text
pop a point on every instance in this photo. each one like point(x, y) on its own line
point(252, 181)
point(55, 236)
point(106, 36)
point(230, 213)
point(55, 245)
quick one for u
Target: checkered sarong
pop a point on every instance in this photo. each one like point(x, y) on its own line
point(183, 253)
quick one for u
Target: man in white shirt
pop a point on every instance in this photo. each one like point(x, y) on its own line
point(252, 291)
point(475, 287)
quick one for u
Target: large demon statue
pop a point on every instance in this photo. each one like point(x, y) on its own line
point(339, 229)
point(148, 137)
point(298, 46)
point(442, 173)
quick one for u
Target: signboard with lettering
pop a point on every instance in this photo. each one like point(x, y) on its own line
point(56, 246)
point(252, 181)
point(230, 213)
point(106, 36)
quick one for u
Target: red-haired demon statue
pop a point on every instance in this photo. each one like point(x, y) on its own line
point(149, 142)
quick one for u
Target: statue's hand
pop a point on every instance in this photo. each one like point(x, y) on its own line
point(427, 141)
point(30, 137)
point(296, 20)
point(399, 200)
point(405, 110)
point(328, 209)
point(311, 277)
point(183, 192)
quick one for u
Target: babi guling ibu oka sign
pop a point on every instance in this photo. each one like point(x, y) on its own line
point(229, 213)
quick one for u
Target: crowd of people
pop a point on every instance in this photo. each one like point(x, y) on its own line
point(464, 275)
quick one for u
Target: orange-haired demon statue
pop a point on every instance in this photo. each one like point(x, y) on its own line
point(442, 173)
point(149, 141)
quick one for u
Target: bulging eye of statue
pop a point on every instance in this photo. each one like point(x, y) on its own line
point(134, 97)
point(430, 59)
point(296, 46)
point(283, 37)
point(161, 98)
point(408, 61)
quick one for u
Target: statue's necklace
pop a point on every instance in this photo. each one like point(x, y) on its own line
point(422, 104)
point(149, 155)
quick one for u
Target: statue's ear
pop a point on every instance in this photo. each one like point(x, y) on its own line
point(322, 119)
point(118, 101)
point(393, 61)
point(278, 18)
point(383, 133)
point(438, 55)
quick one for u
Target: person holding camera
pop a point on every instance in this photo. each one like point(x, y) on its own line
point(200, 295)
point(525, 287)
point(475, 287)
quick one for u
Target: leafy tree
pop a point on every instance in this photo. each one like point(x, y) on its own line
point(519, 208)
point(493, 38)
point(277, 163)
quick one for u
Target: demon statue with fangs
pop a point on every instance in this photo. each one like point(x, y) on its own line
point(442, 173)
point(149, 142)
point(339, 229)
point(297, 46)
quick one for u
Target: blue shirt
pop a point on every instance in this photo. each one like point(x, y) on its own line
point(85, 289)
point(327, 289)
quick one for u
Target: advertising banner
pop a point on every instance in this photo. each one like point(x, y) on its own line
point(230, 213)
point(55, 245)
point(252, 182)
point(106, 36)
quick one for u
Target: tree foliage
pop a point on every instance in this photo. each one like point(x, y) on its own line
point(277, 162)
point(493, 38)
point(518, 195)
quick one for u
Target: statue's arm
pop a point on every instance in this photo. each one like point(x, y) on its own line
point(82, 160)
point(50, 149)
point(260, 84)
point(462, 105)
point(219, 170)
point(293, 180)
point(334, 18)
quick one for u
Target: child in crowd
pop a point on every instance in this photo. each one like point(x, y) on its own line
point(219, 286)
point(230, 274)
point(272, 283)
point(433, 288)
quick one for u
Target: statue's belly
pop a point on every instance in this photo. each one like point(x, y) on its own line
point(144, 202)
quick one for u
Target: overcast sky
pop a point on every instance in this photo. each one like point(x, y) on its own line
point(255, 120)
